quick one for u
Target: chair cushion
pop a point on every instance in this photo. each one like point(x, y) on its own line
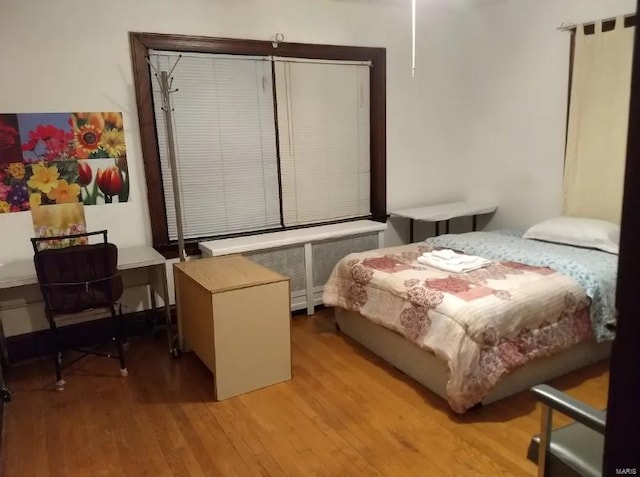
point(575, 451)
point(78, 278)
point(65, 300)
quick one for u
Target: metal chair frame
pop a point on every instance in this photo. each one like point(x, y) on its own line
point(83, 287)
point(554, 400)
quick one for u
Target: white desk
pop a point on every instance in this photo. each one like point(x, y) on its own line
point(21, 273)
point(444, 212)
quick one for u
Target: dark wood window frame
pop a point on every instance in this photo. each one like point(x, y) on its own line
point(141, 43)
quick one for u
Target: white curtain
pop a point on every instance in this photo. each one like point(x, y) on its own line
point(598, 123)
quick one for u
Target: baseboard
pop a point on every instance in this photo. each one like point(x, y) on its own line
point(38, 343)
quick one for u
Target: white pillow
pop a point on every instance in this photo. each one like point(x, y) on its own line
point(581, 232)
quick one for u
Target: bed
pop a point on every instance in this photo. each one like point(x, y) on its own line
point(537, 311)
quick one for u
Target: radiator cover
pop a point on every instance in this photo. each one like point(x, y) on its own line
point(309, 265)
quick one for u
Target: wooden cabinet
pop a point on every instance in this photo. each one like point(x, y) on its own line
point(235, 315)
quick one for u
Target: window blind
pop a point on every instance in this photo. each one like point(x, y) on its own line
point(223, 118)
point(323, 127)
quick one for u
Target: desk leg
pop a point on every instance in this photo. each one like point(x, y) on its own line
point(474, 224)
point(152, 300)
point(437, 228)
point(154, 307)
point(161, 287)
point(175, 342)
point(5, 394)
point(4, 352)
point(446, 227)
point(410, 230)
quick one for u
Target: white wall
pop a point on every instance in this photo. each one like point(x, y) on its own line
point(484, 114)
point(73, 55)
point(517, 117)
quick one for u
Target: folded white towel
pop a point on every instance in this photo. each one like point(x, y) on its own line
point(465, 261)
point(446, 254)
point(474, 262)
point(449, 256)
point(453, 267)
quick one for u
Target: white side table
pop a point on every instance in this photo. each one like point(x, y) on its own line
point(444, 212)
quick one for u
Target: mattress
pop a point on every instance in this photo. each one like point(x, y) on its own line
point(424, 367)
point(594, 270)
point(483, 324)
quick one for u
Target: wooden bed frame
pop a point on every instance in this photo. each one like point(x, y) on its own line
point(432, 372)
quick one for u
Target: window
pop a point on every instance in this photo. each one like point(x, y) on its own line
point(323, 126)
point(263, 142)
point(225, 144)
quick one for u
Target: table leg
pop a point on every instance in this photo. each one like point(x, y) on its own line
point(157, 324)
point(446, 227)
point(175, 342)
point(4, 353)
point(5, 394)
point(161, 287)
point(437, 228)
point(152, 300)
point(410, 230)
point(474, 224)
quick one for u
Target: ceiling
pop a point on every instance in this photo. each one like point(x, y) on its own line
point(407, 3)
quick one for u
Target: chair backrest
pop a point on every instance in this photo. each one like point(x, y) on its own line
point(79, 277)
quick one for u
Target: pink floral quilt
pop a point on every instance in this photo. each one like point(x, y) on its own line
point(484, 324)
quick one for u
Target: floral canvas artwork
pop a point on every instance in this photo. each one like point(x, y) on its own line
point(46, 137)
point(53, 183)
point(14, 192)
point(98, 135)
point(104, 181)
point(10, 146)
point(59, 219)
point(62, 158)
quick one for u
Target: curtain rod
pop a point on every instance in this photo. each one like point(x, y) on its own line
point(572, 26)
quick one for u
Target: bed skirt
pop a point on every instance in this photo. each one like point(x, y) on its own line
point(431, 372)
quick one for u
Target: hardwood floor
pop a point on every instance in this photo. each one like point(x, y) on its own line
point(344, 413)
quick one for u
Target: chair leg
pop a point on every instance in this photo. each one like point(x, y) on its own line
point(123, 329)
point(57, 354)
point(119, 335)
point(545, 440)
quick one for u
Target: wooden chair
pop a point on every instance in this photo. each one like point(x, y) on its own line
point(77, 279)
